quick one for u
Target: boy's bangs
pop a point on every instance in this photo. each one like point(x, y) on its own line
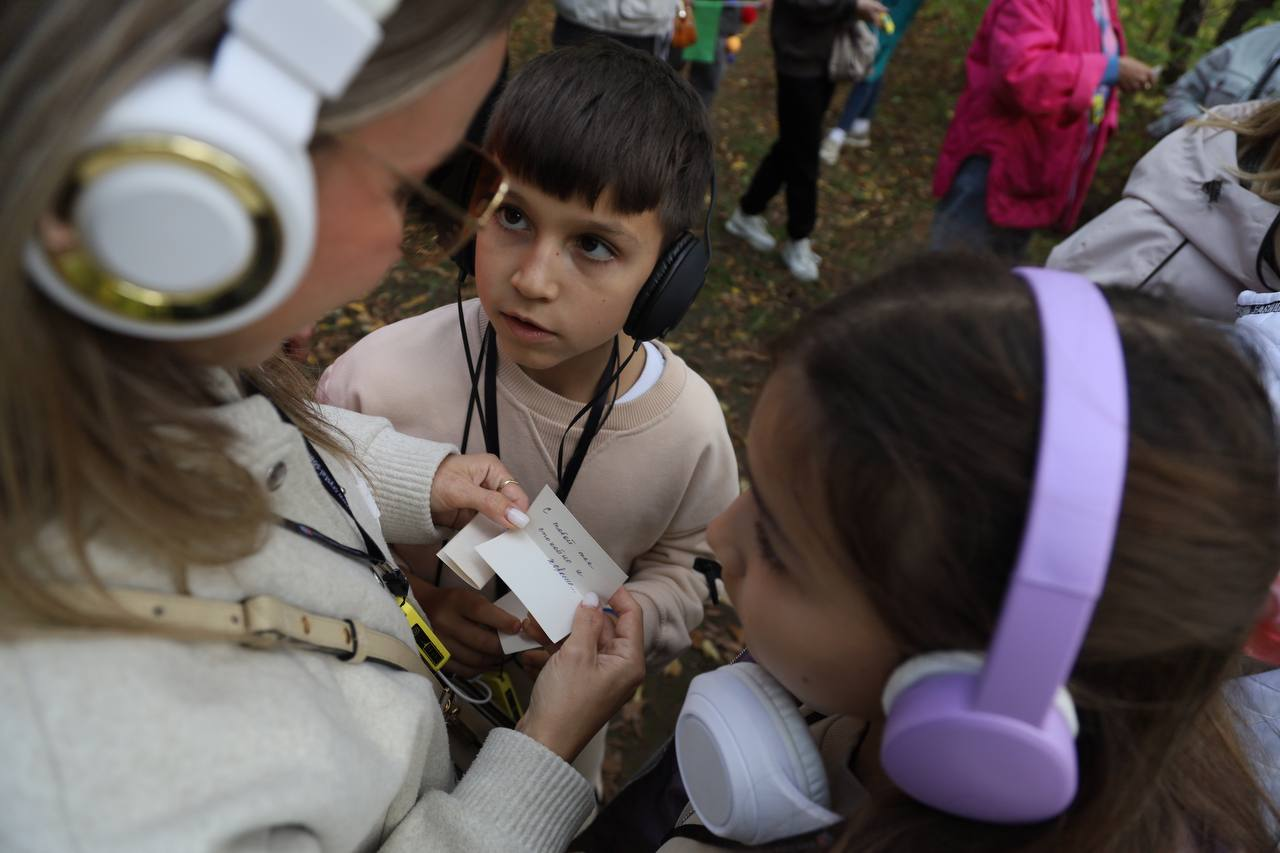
point(605, 120)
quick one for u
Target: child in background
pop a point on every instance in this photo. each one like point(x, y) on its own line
point(1196, 212)
point(1038, 107)
point(854, 127)
point(609, 157)
point(892, 454)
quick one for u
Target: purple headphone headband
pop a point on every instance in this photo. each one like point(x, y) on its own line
point(1075, 500)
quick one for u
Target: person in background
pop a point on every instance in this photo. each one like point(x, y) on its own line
point(1242, 69)
point(643, 24)
point(802, 33)
point(1195, 217)
point(705, 76)
point(1041, 99)
point(854, 126)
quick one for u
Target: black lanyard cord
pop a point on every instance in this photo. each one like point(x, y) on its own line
point(387, 572)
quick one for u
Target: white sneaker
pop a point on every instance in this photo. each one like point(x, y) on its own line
point(799, 257)
point(829, 152)
point(753, 229)
point(860, 134)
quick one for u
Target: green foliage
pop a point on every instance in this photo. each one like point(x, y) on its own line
point(1149, 26)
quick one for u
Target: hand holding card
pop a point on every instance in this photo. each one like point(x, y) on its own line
point(550, 565)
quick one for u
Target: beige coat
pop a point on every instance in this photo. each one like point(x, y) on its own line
point(138, 743)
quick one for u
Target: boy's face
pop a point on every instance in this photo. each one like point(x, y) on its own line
point(557, 278)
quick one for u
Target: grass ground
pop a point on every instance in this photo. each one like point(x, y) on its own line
point(875, 206)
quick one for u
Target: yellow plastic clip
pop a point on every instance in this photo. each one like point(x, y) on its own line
point(504, 693)
point(432, 650)
point(887, 24)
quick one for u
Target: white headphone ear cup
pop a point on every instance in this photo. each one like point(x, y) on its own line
point(173, 105)
point(793, 728)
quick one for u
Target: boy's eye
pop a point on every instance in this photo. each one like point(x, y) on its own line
point(511, 218)
point(595, 248)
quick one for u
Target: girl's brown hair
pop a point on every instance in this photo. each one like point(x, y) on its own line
point(924, 388)
point(103, 432)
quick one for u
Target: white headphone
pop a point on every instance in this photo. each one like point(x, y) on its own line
point(748, 763)
point(190, 210)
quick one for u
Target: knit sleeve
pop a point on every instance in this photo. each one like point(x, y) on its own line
point(518, 795)
point(663, 580)
point(400, 468)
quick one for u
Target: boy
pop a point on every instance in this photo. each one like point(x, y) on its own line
point(609, 156)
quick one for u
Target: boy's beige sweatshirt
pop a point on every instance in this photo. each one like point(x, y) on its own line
point(660, 469)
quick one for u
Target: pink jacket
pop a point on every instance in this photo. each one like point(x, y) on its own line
point(1031, 75)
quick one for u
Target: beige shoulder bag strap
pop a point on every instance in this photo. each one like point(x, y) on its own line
point(265, 622)
point(261, 622)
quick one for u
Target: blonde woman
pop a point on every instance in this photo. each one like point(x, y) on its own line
point(167, 498)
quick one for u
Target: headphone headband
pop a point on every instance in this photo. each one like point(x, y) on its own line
point(1075, 500)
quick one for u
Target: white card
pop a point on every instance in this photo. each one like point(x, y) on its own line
point(460, 554)
point(552, 564)
point(512, 643)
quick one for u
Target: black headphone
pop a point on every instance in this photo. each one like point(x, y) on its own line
point(660, 304)
point(668, 293)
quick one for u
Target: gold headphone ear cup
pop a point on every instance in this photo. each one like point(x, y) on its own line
point(184, 233)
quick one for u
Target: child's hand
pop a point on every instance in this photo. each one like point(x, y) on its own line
point(872, 11)
point(584, 684)
point(467, 623)
point(1135, 75)
point(534, 660)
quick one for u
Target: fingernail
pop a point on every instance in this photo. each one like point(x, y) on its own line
point(517, 518)
point(590, 600)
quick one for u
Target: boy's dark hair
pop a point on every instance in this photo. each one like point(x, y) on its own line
point(578, 121)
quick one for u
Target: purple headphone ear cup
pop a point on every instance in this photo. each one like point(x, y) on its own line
point(941, 751)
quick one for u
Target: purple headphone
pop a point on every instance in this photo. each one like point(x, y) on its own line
point(993, 738)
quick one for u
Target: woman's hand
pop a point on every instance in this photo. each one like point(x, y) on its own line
point(465, 485)
point(584, 684)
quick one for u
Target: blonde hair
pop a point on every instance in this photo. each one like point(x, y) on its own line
point(1257, 140)
point(98, 430)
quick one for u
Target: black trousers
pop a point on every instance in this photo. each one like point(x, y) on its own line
point(793, 159)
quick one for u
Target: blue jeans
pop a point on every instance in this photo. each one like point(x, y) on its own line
point(961, 222)
point(861, 103)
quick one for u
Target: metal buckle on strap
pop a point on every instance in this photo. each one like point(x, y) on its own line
point(264, 621)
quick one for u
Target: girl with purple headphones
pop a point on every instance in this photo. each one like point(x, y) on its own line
point(1005, 539)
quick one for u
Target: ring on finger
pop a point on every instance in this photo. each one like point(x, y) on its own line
point(507, 482)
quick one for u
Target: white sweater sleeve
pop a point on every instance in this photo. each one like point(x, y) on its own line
point(401, 469)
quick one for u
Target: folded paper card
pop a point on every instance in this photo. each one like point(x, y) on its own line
point(549, 566)
point(459, 553)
